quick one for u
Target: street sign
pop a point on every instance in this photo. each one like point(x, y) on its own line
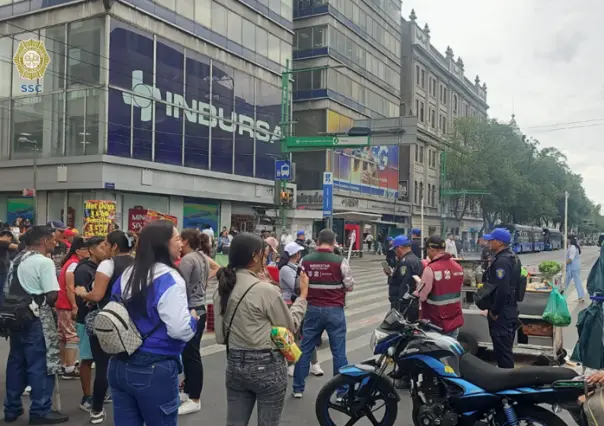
point(317, 142)
point(29, 192)
point(283, 170)
point(327, 194)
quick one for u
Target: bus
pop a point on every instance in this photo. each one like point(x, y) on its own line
point(525, 239)
point(553, 239)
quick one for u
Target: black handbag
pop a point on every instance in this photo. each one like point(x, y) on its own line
point(484, 296)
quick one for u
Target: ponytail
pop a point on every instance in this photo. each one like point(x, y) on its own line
point(226, 282)
point(283, 260)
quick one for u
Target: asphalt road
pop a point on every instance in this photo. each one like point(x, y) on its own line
point(366, 308)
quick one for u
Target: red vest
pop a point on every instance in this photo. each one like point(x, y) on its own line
point(443, 306)
point(63, 301)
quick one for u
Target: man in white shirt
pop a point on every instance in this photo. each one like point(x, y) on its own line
point(210, 233)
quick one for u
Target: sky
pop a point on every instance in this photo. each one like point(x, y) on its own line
point(539, 59)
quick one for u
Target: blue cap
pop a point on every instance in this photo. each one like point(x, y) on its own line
point(56, 225)
point(499, 234)
point(389, 239)
point(401, 241)
point(300, 233)
point(416, 231)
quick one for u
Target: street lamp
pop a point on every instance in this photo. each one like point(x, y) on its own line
point(24, 138)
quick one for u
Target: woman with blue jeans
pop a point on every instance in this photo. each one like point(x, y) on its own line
point(144, 386)
point(573, 267)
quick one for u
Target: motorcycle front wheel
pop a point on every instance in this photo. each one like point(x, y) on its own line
point(531, 415)
point(355, 400)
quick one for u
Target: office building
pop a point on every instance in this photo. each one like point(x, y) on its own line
point(352, 48)
point(171, 105)
point(435, 89)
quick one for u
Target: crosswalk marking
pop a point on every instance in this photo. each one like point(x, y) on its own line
point(370, 296)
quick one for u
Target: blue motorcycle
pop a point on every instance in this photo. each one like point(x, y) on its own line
point(448, 386)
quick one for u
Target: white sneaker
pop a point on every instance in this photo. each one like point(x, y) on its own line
point(188, 407)
point(290, 370)
point(297, 395)
point(315, 370)
point(183, 397)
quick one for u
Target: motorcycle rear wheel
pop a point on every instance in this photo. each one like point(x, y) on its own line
point(532, 414)
point(382, 385)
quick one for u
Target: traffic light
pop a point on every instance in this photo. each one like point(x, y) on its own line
point(286, 198)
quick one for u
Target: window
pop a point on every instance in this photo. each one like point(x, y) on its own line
point(85, 50)
point(185, 7)
point(416, 153)
point(434, 196)
point(455, 104)
point(83, 132)
point(443, 124)
point(249, 33)
point(429, 194)
point(261, 42)
point(219, 19)
point(421, 191)
point(274, 48)
point(235, 27)
point(443, 95)
point(415, 197)
point(421, 112)
point(54, 78)
point(416, 108)
point(421, 154)
point(432, 118)
point(467, 110)
point(417, 75)
point(305, 38)
point(319, 35)
point(201, 12)
point(423, 79)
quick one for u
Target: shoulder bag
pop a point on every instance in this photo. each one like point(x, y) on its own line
point(227, 333)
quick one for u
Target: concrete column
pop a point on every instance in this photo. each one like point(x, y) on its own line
point(225, 215)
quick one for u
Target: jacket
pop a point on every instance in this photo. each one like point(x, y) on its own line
point(443, 305)
point(63, 301)
point(325, 271)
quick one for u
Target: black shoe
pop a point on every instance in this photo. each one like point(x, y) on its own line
point(12, 418)
point(52, 418)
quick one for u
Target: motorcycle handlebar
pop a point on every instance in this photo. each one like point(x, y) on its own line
point(428, 324)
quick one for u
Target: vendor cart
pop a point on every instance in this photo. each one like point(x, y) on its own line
point(535, 336)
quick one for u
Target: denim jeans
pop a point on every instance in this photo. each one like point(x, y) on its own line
point(255, 378)
point(144, 393)
point(317, 320)
point(26, 365)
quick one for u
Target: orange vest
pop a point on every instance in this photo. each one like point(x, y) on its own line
point(443, 305)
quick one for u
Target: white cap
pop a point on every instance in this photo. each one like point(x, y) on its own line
point(293, 248)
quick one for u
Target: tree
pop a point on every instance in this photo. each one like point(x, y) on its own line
point(526, 183)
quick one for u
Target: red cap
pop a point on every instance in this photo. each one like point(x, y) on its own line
point(69, 233)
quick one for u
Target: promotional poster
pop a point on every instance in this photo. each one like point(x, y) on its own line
point(198, 214)
point(370, 171)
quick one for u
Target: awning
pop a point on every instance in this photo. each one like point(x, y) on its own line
point(358, 216)
point(384, 222)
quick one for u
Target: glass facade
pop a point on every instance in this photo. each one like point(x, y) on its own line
point(63, 111)
point(166, 103)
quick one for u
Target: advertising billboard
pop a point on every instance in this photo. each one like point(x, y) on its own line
point(187, 97)
point(369, 171)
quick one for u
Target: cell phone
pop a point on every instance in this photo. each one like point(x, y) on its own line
point(385, 265)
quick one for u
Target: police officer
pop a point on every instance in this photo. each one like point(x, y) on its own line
point(390, 253)
point(416, 236)
point(504, 272)
point(402, 281)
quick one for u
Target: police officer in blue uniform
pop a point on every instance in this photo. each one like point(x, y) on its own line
point(504, 272)
point(416, 248)
point(402, 281)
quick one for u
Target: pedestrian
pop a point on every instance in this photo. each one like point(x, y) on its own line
point(458, 247)
point(144, 385)
point(118, 246)
point(34, 353)
point(247, 309)
point(330, 279)
point(224, 243)
point(416, 235)
point(289, 282)
point(440, 289)
point(66, 308)
point(504, 273)
point(83, 277)
point(573, 268)
point(8, 250)
point(402, 282)
point(196, 267)
point(369, 241)
point(451, 247)
point(60, 249)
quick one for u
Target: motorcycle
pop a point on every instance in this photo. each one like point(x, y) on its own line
point(448, 387)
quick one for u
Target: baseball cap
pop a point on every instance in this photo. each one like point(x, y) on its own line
point(56, 224)
point(389, 239)
point(299, 233)
point(293, 248)
point(401, 241)
point(416, 231)
point(70, 233)
point(435, 242)
point(499, 234)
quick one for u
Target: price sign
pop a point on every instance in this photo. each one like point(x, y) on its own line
point(99, 218)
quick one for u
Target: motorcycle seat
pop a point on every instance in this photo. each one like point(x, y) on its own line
point(494, 379)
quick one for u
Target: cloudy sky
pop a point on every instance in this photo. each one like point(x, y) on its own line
point(540, 59)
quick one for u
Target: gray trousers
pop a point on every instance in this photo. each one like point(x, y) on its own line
point(255, 377)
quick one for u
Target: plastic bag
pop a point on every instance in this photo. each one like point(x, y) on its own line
point(556, 311)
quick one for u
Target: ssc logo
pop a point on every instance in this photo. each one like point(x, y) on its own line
point(31, 59)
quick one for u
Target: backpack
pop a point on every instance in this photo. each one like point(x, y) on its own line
point(18, 309)
point(115, 330)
